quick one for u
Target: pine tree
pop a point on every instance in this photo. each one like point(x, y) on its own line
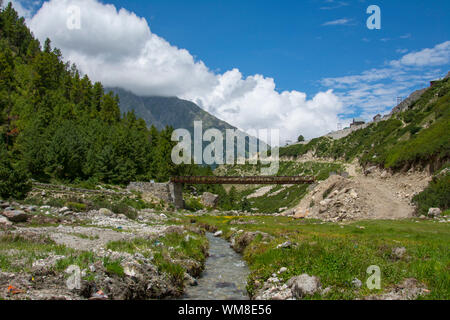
point(47, 46)
point(61, 126)
point(14, 182)
point(110, 111)
point(7, 86)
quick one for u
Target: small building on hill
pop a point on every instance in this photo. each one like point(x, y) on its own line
point(357, 122)
point(377, 118)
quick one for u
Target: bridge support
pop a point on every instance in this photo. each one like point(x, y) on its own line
point(176, 192)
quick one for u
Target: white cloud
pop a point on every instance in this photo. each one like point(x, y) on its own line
point(439, 55)
point(375, 91)
point(118, 48)
point(338, 22)
point(331, 5)
point(402, 51)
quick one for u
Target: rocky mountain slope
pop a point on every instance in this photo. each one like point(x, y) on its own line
point(170, 111)
point(167, 111)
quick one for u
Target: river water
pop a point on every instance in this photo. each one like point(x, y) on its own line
point(224, 277)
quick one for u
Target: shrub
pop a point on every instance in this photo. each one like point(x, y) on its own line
point(77, 207)
point(246, 205)
point(414, 129)
point(193, 204)
point(437, 195)
point(123, 208)
point(113, 267)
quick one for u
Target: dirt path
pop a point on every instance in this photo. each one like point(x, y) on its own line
point(382, 200)
point(376, 195)
point(389, 196)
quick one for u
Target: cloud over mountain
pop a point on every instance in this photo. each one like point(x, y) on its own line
point(118, 48)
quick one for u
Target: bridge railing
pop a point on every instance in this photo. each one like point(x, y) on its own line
point(243, 180)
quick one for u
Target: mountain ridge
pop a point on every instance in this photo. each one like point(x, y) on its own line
point(175, 112)
point(172, 111)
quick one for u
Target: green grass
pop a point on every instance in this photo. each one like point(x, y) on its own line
point(17, 254)
point(113, 267)
point(288, 198)
point(119, 204)
point(338, 254)
point(193, 204)
point(77, 207)
point(139, 245)
point(81, 259)
point(163, 256)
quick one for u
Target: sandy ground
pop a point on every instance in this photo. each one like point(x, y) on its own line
point(371, 195)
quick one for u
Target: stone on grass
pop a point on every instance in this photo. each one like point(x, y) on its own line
point(399, 252)
point(285, 245)
point(218, 233)
point(304, 285)
point(282, 270)
point(4, 221)
point(434, 212)
point(16, 215)
point(4, 205)
point(190, 280)
point(357, 283)
point(105, 212)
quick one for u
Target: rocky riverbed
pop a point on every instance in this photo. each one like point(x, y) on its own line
point(104, 255)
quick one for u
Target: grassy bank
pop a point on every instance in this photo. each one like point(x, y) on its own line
point(173, 254)
point(339, 253)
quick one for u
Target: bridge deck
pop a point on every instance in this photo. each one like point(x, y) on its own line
point(243, 180)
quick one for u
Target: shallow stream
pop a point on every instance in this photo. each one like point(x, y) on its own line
point(224, 277)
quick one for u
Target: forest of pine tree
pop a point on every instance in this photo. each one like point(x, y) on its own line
point(58, 126)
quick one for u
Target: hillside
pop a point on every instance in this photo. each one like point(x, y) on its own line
point(417, 136)
point(373, 161)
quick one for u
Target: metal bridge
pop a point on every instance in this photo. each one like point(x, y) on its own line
point(175, 186)
point(242, 180)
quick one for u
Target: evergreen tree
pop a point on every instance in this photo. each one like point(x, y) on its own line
point(14, 182)
point(60, 126)
point(109, 108)
point(6, 88)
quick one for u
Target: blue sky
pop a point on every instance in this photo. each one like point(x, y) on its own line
point(286, 40)
point(305, 65)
